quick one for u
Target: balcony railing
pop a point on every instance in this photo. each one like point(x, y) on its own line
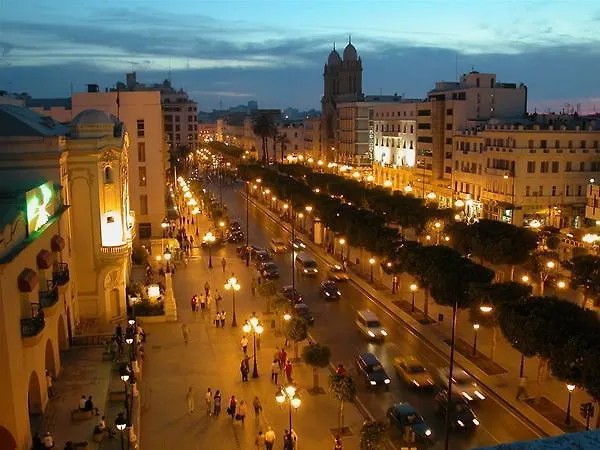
point(48, 297)
point(115, 250)
point(32, 326)
point(60, 274)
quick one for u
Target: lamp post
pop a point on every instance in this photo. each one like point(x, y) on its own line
point(247, 223)
point(288, 394)
point(233, 286)
point(124, 378)
point(308, 209)
point(209, 239)
point(195, 213)
point(371, 263)
point(545, 273)
point(301, 216)
point(413, 289)
point(570, 389)
point(293, 220)
point(254, 325)
point(121, 424)
point(476, 329)
point(342, 242)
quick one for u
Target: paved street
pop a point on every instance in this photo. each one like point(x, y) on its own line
point(212, 359)
point(497, 423)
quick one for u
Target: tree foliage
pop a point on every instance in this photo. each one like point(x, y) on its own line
point(372, 434)
point(585, 275)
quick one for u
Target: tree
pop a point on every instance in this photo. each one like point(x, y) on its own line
point(264, 127)
point(372, 434)
point(318, 357)
point(268, 289)
point(343, 389)
point(585, 275)
point(296, 331)
point(544, 264)
point(282, 140)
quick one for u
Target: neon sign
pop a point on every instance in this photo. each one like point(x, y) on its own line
point(40, 206)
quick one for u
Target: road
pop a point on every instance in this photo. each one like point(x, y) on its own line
point(334, 326)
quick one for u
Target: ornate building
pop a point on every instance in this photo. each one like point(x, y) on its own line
point(342, 83)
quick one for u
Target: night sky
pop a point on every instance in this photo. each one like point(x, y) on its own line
point(273, 51)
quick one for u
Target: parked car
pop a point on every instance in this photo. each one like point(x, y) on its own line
point(235, 237)
point(302, 310)
point(291, 294)
point(461, 415)
point(463, 383)
point(268, 270)
point(401, 415)
point(337, 273)
point(370, 367)
point(278, 245)
point(413, 372)
point(243, 251)
point(329, 290)
point(261, 256)
point(235, 226)
point(297, 244)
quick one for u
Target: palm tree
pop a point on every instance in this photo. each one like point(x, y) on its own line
point(282, 140)
point(263, 126)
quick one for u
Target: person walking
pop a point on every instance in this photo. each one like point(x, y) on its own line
point(223, 319)
point(194, 302)
point(232, 407)
point(217, 403)
point(269, 439)
point(206, 288)
point(185, 331)
point(189, 398)
point(202, 303)
point(208, 399)
point(253, 286)
point(282, 358)
point(259, 442)
point(275, 369)
point(257, 409)
point(223, 264)
point(522, 386)
point(242, 410)
point(218, 319)
point(244, 344)
point(218, 300)
point(50, 384)
point(245, 369)
point(288, 371)
point(288, 444)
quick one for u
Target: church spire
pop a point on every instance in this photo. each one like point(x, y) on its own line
point(349, 39)
point(334, 45)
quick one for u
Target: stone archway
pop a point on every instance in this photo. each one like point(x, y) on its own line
point(63, 343)
point(34, 395)
point(50, 363)
point(7, 440)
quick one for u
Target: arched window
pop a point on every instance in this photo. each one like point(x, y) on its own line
point(108, 175)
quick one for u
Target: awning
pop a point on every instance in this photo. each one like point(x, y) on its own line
point(44, 259)
point(28, 280)
point(57, 243)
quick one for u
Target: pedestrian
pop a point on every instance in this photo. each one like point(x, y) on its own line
point(50, 384)
point(217, 319)
point(269, 439)
point(223, 319)
point(232, 407)
point(288, 444)
point(242, 409)
point(282, 358)
point(337, 443)
point(194, 302)
point(223, 264)
point(186, 333)
point(218, 300)
point(48, 440)
point(202, 303)
point(259, 442)
point(257, 409)
point(206, 288)
point(189, 398)
point(340, 371)
point(521, 388)
point(217, 403)
point(253, 286)
point(244, 344)
point(275, 369)
point(245, 369)
point(208, 399)
point(259, 280)
point(288, 371)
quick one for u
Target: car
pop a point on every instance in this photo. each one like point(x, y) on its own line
point(235, 226)
point(235, 237)
point(369, 325)
point(306, 264)
point(297, 244)
point(278, 245)
point(329, 290)
point(413, 372)
point(462, 382)
point(291, 294)
point(243, 251)
point(401, 415)
point(261, 256)
point(302, 310)
point(370, 367)
point(337, 273)
point(461, 415)
point(268, 270)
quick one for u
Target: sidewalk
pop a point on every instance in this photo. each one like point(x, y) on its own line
point(501, 377)
point(212, 359)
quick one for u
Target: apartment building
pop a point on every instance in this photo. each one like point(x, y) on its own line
point(312, 138)
point(180, 119)
point(524, 172)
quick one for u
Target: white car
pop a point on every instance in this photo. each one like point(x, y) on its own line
point(278, 245)
point(462, 383)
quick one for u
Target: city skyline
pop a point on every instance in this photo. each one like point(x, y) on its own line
point(274, 52)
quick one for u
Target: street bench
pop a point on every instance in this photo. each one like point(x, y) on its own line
point(78, 415)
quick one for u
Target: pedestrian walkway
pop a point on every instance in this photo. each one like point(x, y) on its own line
point(500, 375)
point(212, 359)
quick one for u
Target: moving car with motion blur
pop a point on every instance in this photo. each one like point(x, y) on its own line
point(297, 244)
point(369, 367)
point(306, 264)
point(329, 290)
point(337, 273)
point(268, 270)
point(369, 325)
point(462, 416)
point(413, 372)
point(462, 383)
point(302, 310)
point(401, 415)
point(278, 245)
point(291, 294)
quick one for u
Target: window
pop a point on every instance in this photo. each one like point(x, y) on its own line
point(449, 141)
point(142, 175)
point(412, 129)
point(595, 144)
point(143, 205)
point(530, 166)
point(568, 190)
point(424, 112)
point(557, 144)
point(448, 126)
point(177, 118)
point(582, 166)
point(424, 139)
point(579, 190)
point(595, 166)
point(582, 144)
point(141, 152)
point(108, 175)
point(449, 112)
point(140, 128)
point(553, 191)
point(177, 128)
point(554, 166)
point(530, 143)
point(543, 143)
point(541, 191)
point(544, 167)
point(190, 118)
point(145, 230)
point(527, 191)
point(570, 144)
point(568, 167)
point(424, 126)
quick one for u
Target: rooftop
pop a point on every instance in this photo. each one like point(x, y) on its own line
point(48, 103)
point(19, 121)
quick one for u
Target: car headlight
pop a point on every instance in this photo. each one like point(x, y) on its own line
point(479, 395)
point(316, 270)
point(339, 293)
point(305, 271)
point(371, 333)
point(467, 396)
point(387, 381)
point(460, 422)
point(383, 333)
point(427, 433)
point(373, 383)
point(415, 382)
point(476, 422)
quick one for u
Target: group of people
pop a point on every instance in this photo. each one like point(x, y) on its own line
point(236, 410)
point(280, 364)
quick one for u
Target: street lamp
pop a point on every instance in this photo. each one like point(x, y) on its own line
point(222, 227)
point(288, 394)
point(124, 378)
point(485, 309)
point(342, 242)
point(209, 239)
point(195, 212)
point(413, 288)
point(247, 222)
point(233, 286)
point(561, 284)
point(545, 273)
point(256, 327)
point(121, 424)
point(570, 388)
point(476, 329)
point(371, 262)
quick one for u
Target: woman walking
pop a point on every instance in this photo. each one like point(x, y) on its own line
point(217, 403)
point(232, 407)
point(241, 412)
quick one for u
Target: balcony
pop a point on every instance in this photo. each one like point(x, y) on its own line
point(34, 325)
point(48, 297)
point(115, 252)
point(60, 274)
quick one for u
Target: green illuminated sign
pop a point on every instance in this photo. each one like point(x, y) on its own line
point(40, 206)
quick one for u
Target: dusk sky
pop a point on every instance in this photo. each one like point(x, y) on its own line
point(273, 51)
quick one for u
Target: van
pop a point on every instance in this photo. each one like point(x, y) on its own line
point(306, 264)
point(369, 325)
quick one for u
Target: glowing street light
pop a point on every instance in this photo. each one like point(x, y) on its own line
point(233, 286)
point(476, 329)
point(209, 239)
point(288, 394)
point(254, 325)
point(371, 263)
point(413, 289)
point(570, 389)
